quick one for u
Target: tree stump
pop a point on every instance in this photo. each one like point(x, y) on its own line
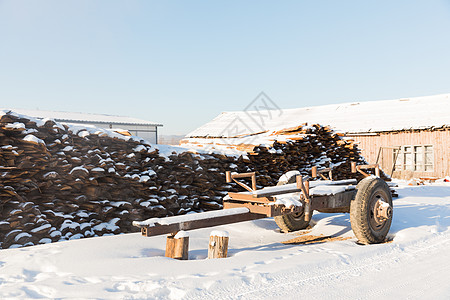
point(218, 244)
point(177, 246)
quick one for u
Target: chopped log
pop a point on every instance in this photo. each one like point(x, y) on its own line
point(177, 246)
point(170, 246)
point(218, 244)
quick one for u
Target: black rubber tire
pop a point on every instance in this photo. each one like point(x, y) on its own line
point(364, 226)
point(291, 222)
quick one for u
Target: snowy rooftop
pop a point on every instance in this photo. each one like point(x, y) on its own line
point(357, 117)
point(61, 116)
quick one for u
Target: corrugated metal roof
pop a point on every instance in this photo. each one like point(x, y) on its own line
point(357, 117)
point(62, 116)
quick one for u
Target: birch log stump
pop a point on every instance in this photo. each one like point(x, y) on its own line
point(218, 244)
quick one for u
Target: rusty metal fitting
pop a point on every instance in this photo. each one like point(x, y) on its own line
point(383, 211)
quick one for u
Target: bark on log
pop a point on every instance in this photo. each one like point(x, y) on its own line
point(177, 246)
point(218, 244)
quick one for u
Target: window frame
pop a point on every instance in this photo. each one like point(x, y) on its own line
point(414, 158)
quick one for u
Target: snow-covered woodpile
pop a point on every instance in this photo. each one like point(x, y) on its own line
point(296, 148)
point(61, 182)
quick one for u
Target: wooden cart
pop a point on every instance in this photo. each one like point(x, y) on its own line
point(292, 203)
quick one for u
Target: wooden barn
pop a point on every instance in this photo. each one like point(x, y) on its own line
point(409, 138)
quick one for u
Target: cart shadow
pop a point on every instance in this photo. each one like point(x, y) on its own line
point(261, 248)
point(417, 215)
point(405, 217)
point(338, 219)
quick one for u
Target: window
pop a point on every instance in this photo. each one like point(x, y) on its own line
point(428, 158)
point(414, 158)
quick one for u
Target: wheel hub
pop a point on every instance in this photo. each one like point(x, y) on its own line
point(382, 211)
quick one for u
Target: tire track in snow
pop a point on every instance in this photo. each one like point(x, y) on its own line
point(390, 258)
point(282, 284)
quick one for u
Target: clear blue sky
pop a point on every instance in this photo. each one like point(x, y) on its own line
point(181, 63)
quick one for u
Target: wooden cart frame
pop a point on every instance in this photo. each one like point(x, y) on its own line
point(255, 204)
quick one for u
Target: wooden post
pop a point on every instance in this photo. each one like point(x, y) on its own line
point(377, 170)
point(218, 244)
point(254, 181)
point(314, 172)
point(299, 181)
point(177, 246)
point(307, 186)
point(170, 245)
point(228, 176)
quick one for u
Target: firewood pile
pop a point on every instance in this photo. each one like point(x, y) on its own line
point(61, 182)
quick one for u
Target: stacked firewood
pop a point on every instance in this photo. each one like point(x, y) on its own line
point(61, 182)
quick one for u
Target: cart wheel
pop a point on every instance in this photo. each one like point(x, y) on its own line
point(371, 211)
point(291, 222)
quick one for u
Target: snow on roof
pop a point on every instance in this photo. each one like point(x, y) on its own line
point(61, 116)
point(357, 117)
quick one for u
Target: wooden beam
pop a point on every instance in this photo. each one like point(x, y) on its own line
point(266, 210)
point(250, 197)
point(196, 224)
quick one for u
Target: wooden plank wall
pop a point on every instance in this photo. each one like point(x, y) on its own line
point(440, 139)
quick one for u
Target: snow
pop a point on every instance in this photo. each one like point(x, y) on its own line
point(191, 217)
point(45, 241)
point(286, 176)
point(399, 114)
point(324, 190)
point(45, 226)
point(144, 178)
point(273, 190)
point(111, 225)
point(83, 133)
point(219, 233)
point(288, 200)
point(313, 184)
point(139, 148)
point(31, 138)
point(21, 235)
point(181, 234)
point(79, 169)
point(119, 203)
point(85, 130)
point(51, 174)
point(166, 150)
point(318, 187)
point(62, 116)
point(16, 125)
point(415, 265)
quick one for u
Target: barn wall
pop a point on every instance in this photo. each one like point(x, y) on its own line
point(440, 139)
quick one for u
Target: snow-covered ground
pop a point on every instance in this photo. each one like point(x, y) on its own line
point(415, 265)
